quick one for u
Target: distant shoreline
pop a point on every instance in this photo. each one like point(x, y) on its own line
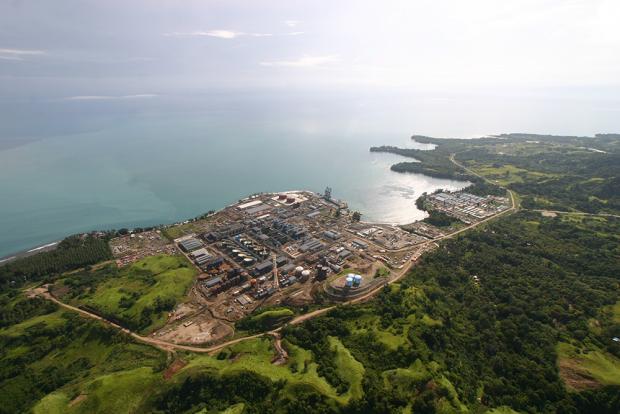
point(25, 253)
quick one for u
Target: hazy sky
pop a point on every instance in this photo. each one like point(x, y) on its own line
point(135, 49)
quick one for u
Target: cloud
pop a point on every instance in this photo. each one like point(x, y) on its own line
point(291, 23)
point(303, 62)
point(10, 57)
point(108, 97)
point(227, 34)
point(18, 54)
point(220, 34)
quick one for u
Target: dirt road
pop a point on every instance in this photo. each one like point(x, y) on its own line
point(166, 346)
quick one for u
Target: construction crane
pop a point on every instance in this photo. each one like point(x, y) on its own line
point(276, 282)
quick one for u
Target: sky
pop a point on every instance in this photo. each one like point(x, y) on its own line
point(85, 50)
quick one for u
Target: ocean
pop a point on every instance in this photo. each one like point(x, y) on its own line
point(69, 167)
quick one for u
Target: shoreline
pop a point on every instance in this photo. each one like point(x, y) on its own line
point(29, 252)
point(52, 245)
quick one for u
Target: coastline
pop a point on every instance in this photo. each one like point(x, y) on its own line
point(29, 252)
point(53, 245)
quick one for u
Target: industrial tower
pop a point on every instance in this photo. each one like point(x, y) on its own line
point(276, 282)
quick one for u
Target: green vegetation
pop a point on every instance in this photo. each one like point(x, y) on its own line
point(265, 320)
point(14, 309)
point(72, 253)
point(138, 296)
point(62, 356)
point(180, 230)
point(350, 370)
point(382, 272)
point(440, 219)
point(589, 362)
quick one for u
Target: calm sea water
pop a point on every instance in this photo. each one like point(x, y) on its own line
point(79, 166)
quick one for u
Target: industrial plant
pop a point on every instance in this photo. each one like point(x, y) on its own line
point(289, 248)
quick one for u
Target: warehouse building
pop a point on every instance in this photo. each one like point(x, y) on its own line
point(263, 267)
point(311, 245)
point(191, 244)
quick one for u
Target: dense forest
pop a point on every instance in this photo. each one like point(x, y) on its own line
point(72, 253)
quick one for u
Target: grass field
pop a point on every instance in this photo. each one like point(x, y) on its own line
point(50, 320)
point(349, 369)
point(508, 174)
point(55, 403)
point(118, 393)
point(75, 357)
point(234, 409)
point(144, 284)
point(407, 382)
point(616, 312)
point(180, 230)
point(256, 355)
point(591, 362)
point(370, 323)
point(268, 319)
point(501, 410)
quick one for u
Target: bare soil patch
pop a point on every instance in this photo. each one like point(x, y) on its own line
point(574, 376)
point(175, 367)
point(78, 400)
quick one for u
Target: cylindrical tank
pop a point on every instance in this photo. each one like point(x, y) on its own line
point(348, 281)
point(357, 280)
point(248, 260)
point(298, 270)
point(281, 196)
point(290, 199)
point(305, 274)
